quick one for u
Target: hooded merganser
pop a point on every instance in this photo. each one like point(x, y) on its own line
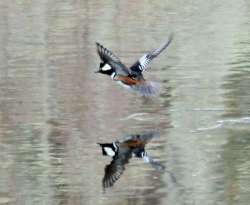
point(121, 152)
point(130, 78)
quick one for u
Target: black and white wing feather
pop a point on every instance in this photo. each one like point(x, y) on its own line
point(108, 57)
point(143, 62)
point(105, 54)
point(113, 172)
point(115, 169)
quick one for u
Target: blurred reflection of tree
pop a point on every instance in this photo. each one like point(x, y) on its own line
point(236, 151)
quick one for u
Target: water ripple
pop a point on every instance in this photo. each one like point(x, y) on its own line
point(223, 123)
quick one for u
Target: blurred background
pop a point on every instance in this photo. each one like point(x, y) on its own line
point(54, 109)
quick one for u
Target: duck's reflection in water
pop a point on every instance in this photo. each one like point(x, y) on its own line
point(132, 146)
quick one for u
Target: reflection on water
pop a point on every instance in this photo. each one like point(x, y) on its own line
point(122, 152)
point(53, 108)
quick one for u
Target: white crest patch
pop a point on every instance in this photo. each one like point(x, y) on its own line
point(106, 67)
point(109, 151)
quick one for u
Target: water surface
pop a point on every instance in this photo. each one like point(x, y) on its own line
point(54, 109)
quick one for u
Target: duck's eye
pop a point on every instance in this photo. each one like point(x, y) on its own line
point(106, 67)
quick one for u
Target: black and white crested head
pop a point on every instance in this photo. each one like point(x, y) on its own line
point(105, 68)
point(109, 149)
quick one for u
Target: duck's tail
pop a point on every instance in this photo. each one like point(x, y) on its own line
point(146, 88)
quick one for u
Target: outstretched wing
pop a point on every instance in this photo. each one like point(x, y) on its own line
point(108, 57)
point(115, 169)
point(105, 54)
point(143, 62)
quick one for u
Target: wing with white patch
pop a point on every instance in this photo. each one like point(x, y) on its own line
point(143, 62)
